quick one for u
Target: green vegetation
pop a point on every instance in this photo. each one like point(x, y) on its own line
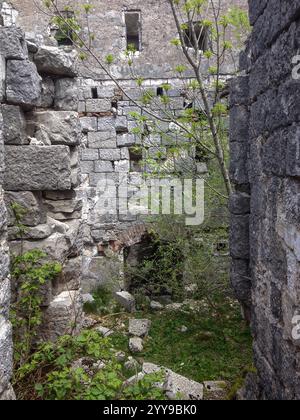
point(79, 368)
point(216, 345)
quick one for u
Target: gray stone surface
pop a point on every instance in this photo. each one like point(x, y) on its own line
point(126, 300)
point(264, 129)
point(23, 83)
point(56, 61)
point(139, 327)
point(42, 168)
point(12, 43)
point(14, 125)
point(66, 94)
point(57, 127)
point(136, 345)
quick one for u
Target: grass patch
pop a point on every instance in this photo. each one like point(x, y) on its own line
point(216, 346)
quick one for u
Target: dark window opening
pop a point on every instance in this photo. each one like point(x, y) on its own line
point(201, 33)
point(136, 159)
point(114, 104)
point(95, 93)
point(65, 35)
point(133, 30)
point(160, 91)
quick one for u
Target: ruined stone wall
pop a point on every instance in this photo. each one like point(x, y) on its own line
point(265, 232)
point(156, 60)
point(5, 327)
point(41, 139)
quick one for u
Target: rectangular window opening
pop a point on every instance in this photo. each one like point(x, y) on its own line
point(201, 33)
point(94, 93)
point(136, 159)
point(133, 30)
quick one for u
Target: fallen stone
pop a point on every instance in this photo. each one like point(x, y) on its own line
point(184, 329)
point(156, 306)
point(23, 84)
point(176, 386)
point(139, 327)
point(87, 298)
point(56, 61)
point(126, 300)
point(132, 364)
point(105, 332)
point(121, 356)
point(136, 345)
point(179, 387)
point(42, 168)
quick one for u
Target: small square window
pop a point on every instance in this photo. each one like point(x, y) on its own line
point(133, 30)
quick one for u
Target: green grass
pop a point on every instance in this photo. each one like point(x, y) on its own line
point(213, 348)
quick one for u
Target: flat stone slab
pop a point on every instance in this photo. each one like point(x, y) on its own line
point(176, 386)
point(139, 327)
point(37, 168)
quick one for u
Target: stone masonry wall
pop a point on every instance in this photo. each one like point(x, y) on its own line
point(265, 233)
point(41, 149)
point(5, 327)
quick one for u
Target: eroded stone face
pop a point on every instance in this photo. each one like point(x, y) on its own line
point(42, 168)
point(23, 83)
point(265, 163)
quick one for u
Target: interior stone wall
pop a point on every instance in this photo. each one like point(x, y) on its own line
point(265, 231)
point(40, 146)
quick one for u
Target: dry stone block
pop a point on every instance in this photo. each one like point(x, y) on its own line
point(48, 92)
point(32, 168)
point(126, 300)
point(58, 127)
point(12, 43)
point(66, 94)
point(23, 83)
point(14, 125)
point(2, 76)
point(56, 61)
point(64, 312)
point(102, 140)
point(139, 327)
point(136, 345)
point(98, 105)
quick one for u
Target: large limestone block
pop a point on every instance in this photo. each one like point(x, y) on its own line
point(64, 315)
point(35, 168)
point(14, 125)
point(12, 43)
point(56, 61)
point(57, 127)
point(23, 83)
